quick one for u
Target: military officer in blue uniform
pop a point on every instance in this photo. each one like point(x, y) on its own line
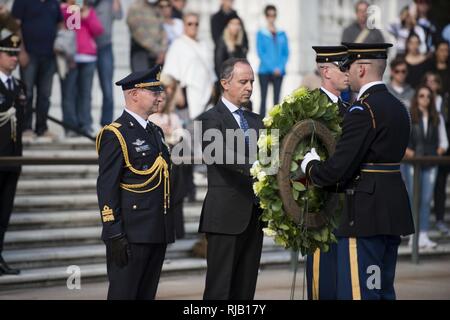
point(366, 165)
point(12, 104)
point(321, 267)
point(134, 191)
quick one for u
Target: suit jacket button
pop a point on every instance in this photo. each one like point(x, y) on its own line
point(352, 223)
point(143, 154)
point(134, 207)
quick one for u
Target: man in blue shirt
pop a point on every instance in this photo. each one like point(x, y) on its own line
point(39, 20)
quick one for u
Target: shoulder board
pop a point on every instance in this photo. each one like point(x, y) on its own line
point(113, 127)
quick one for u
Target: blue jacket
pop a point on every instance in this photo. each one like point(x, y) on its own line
point(272, 52)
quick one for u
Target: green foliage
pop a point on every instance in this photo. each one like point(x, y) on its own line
point(300, 105)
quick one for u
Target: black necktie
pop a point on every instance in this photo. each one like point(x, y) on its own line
point(9, 84)
point(155, 135)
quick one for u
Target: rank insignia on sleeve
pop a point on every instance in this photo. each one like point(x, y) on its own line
point(107, 214)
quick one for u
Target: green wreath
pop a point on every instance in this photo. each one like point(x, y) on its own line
point(302, 104)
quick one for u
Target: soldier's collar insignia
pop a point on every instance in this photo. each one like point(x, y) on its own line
point(139, 142)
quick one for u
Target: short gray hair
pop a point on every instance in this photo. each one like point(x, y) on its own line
point(227, 69)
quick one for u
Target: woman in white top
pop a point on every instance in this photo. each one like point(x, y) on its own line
point(190, 63)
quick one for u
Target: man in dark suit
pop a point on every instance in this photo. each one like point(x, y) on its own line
point(12, 105)
point(374, 138)
point(321, 267)
point(133, 191)
point(230, 213)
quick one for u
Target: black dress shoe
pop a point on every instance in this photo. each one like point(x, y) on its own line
point(5, 269)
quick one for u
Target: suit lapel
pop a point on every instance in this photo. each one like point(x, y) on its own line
point(228, 118)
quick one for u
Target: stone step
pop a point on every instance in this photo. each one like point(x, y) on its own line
point(61, 153)
point(39, 203)
point(76, 218)
point(42, 172)
point(18, 239)
point(60, 185)
point(29, 258)
point(56, 186)
point(69, 255)
point(78, 143)
point(52, 241)
point(97, 272)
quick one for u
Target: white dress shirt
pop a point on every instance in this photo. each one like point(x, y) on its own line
point(232, 109)
point(333, 97)
point(143, 122)
point(366, 87)
point(5, 78)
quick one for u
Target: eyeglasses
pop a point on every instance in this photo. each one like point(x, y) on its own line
point(400, 71)
point(155, 93)
point(190, 24)
point(12, 53)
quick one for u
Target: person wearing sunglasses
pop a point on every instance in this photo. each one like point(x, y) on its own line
point(172, 26)
point(398, 86)
point(12, 106)
point(366, 164)
point(133, 191)
point(428, 138)
point(272, 45)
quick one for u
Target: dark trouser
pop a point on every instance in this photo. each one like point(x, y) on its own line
point(180, 233)
point(321, 274)
point(264, 80)
point(139, 279)
point(38, 73)
point(105, 68)
point(8, 186)
point(77, 96)
point(233, 263)
point(366, 268)
point(140, 58)
point(440, 192)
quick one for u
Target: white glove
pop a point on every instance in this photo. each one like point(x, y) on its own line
point(312, 155)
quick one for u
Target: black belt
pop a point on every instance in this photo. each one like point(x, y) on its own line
point(380, 167)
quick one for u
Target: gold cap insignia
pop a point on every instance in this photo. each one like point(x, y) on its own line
point(15, 40)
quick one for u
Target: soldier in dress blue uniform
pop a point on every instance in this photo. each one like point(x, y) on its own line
point(321, 267)
point(133, 191)
point(366, 165)
point(12, 104)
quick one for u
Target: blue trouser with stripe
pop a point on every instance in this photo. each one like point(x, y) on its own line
point(366, 267)
point(321, 274)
